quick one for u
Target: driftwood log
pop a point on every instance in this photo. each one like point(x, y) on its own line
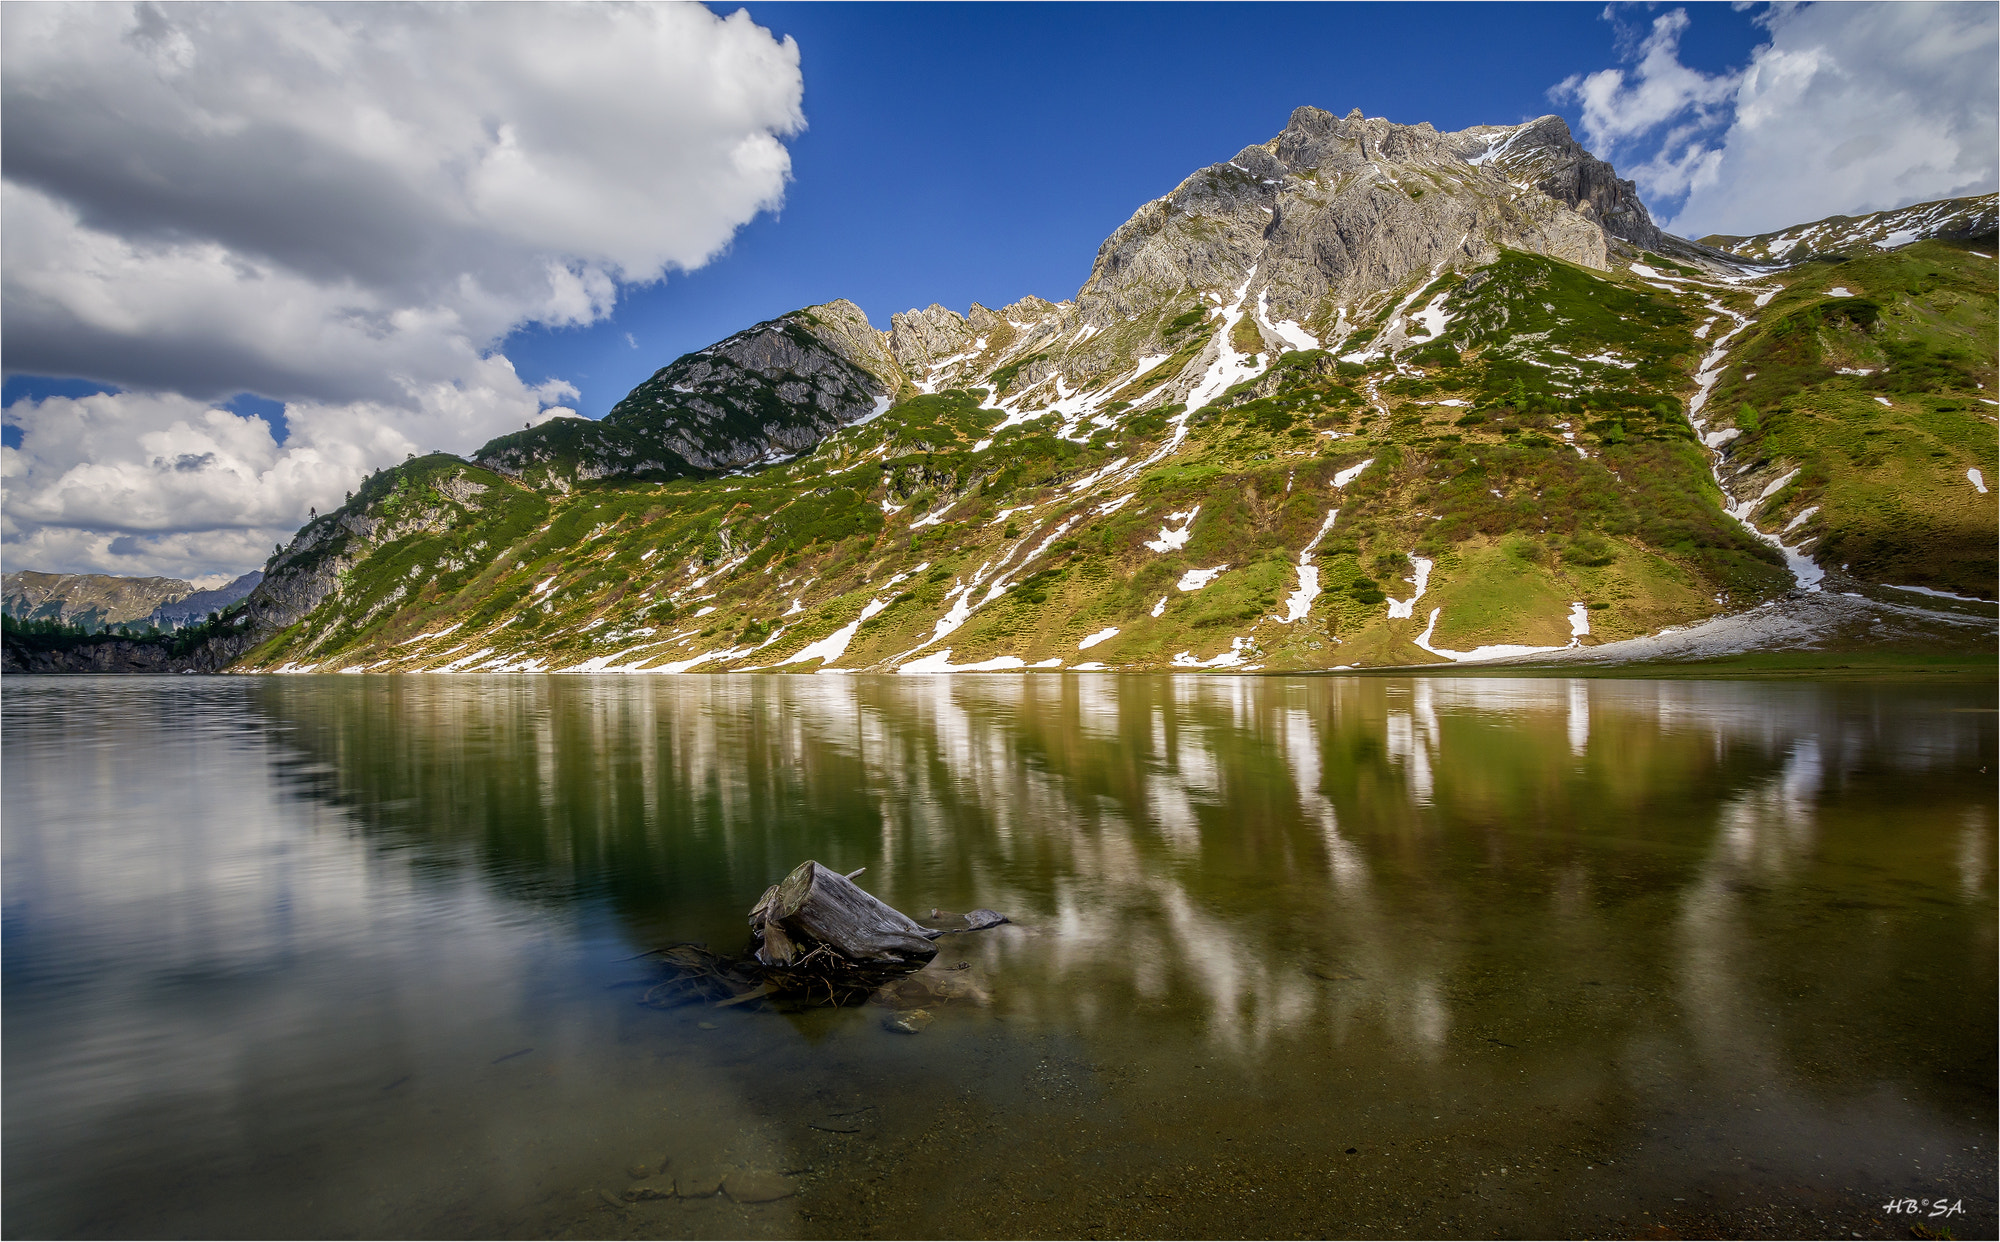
point(817, 924)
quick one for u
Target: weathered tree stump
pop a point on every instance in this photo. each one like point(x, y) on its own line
point(817, 938)
point(818, 926)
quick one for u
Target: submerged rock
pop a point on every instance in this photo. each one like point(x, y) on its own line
point(697, 1183)
point(934, 985)
point(650, 1188)
point(756, 1186)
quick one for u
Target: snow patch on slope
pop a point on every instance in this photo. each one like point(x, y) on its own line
point(1300, 602)
point(1405, 607)
point(1174, 538)
point(940, 662)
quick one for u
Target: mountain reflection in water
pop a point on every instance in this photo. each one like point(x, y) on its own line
point(1227, 839)
point(1633, 891)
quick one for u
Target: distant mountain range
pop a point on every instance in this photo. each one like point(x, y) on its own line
point(100, 601)
point(1365, 394)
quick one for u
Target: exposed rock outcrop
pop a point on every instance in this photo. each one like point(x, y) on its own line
point(1339, 212)
point(922, 338)
point(771, 391)
point(1544, 154)
point(1312, 234)
point(428, 496)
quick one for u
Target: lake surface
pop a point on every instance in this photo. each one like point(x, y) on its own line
point(323, 956)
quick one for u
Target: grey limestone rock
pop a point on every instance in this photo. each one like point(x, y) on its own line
point(766, 393)
point(772, 391)
point(316, 562)
point(1543, 151)
point(1319, 227)
point(1336, 213)
point(922, 338)
point(843, 327)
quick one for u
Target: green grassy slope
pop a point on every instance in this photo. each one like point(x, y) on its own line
point(1873, 376)
point(1533, 453)
point(1500, 458)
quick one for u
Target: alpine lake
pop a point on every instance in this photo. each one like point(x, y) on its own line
point(1289, 956)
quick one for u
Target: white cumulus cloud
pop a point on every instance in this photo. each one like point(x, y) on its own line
point(343, 208)
point(1846, 109)
point(1618, 105)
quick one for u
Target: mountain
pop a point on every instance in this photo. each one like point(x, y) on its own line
point(1364, 394)
point(767, 393)
point(197, 606)
point(1961, 218)
point(92, 601)
point(98, 601)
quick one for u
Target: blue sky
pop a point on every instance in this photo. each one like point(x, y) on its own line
point(978, 153)
point(446, 221)
point(962, 153)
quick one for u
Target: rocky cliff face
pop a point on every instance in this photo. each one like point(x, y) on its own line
point(773, 391)
point(1332, 213)
point(420, 510)
point(922, 339)
point(1543, 154)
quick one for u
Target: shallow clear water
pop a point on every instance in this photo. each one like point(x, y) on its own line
point(346, 955)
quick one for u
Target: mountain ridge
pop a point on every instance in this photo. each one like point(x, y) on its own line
point(1366, 393)
point(93, 601)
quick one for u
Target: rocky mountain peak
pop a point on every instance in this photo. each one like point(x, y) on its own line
point(843, 327)
point(920, 339)
point(1334, 215)
point(783, 384)
point(1308, 235)
point(1544, 153)
point(1299, 242)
